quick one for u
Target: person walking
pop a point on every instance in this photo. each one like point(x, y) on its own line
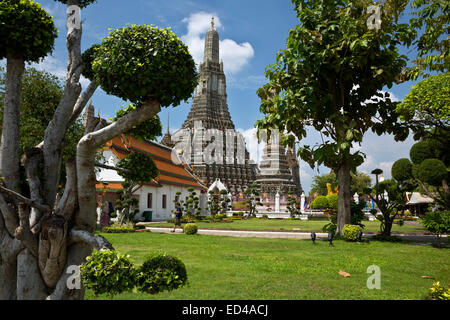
point(178, 216)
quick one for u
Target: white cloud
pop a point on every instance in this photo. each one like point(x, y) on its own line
point(251, 141)
point(235, 56)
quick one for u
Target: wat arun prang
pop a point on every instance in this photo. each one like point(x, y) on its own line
point(210, 120)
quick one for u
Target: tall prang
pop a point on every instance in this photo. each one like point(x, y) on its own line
point(209, 111)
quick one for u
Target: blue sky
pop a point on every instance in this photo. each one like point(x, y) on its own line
point(251, 32)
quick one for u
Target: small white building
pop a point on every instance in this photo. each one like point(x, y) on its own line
point(156, 196)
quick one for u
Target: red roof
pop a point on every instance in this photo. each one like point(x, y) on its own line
point(169, 172)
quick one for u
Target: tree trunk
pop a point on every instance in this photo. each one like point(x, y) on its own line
point(344, 196)
point(9, 153)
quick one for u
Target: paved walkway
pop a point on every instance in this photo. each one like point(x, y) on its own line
point(287, 234)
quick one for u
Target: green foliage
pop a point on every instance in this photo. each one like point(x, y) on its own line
point(140, 168)
point(192, 204)
point(139, 63)
point(320, 202)
point(161, 272)
point(83, 3)
point(438, 292)
point(437, 222)
point(148, 130)
point(332, 200)
point(402, 170)
point(265, 217)
point(108, 272)
point(357, 212)
point(292, 205)
point(350, 232)
point(88, 58)
point(432, 21)
point(422, 150)
point(190, 228)
point(319, 184)
point(26, 30)
point(432, 171)
point(124, 228)
point(253, 199)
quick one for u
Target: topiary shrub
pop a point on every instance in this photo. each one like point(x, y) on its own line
point(190, 228)
point(117, 228)
point(422, 150)
point(402, 170)
point(160, 273)
point(108, 272)
point(143, 62)
point(349, 232)
point(432, 171)
point(320, 202)
point(26, 30)
point(332, 200)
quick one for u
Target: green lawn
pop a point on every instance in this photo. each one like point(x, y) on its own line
point(252, 268)
point(307, 225)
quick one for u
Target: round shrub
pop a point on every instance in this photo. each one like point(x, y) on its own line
point(320, 202)
point(108, 272)
point(138, 63)
point(349, 232)
point(88, 58)
point(190, 228)
point(332, 200)
point(423, 150)
point(161, 273)
point(141, 168)
point(432, 171)
point(402, 169)
point(26, 30)
point(265, 217)
point(437, 222)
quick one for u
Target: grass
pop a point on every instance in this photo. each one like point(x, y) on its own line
point(251, 268)
point(289, 225)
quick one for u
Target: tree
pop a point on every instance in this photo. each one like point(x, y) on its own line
point(135, 168)
point(432, 16)
point(426, 108)
point(359, 181)
point(253, 199)
point(213, 203)
point(429, 167)
point(329, 77)
point(192, 204)
point(224, 201)
point(41, 235)
point(293, 205)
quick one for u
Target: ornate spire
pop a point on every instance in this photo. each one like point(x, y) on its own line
point(167, 139)
point(212, 45)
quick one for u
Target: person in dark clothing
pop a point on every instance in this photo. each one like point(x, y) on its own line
point(178, 216)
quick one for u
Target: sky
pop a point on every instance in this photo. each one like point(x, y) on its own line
point(251, 33)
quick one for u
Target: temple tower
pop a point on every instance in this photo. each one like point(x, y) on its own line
point(209, 112)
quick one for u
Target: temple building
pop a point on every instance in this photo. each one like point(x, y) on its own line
point(209, 114)
point(209, 120)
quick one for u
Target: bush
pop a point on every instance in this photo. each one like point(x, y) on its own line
point(402, 170)
point(438, 292)
point(432, 171)
point(264, 216)
point(425, 149)
point(108, 272)
point(161, 273)
point(190, 228)
point(320, 202)
point(332, 200)
point(437, 222)
point(117, 228)
point(350, 232)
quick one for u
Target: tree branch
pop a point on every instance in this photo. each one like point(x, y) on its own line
point(23, 232)
point(69, 200)
point(83, 100)
point(11, 221)
point(105, 166)
point(18, 197)
point(97, 242)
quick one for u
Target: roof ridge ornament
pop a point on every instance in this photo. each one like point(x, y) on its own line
point(212, 23)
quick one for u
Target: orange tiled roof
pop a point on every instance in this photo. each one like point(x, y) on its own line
point(170, 173)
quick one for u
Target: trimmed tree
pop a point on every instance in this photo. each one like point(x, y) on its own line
point(329, 77)
point(41, 235)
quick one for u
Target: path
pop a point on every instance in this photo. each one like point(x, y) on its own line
point(287, 234)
